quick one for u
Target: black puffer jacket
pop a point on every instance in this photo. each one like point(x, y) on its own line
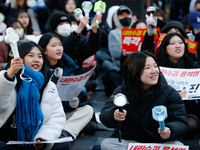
point(139, 124)
point(148, 41)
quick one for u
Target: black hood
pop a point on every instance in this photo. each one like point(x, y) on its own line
point(177, 25)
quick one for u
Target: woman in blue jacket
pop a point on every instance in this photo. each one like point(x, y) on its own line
point(78, 112)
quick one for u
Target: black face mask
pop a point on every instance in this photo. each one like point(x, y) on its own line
point(125, 22)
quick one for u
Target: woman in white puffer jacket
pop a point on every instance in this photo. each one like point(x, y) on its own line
point(30, 111)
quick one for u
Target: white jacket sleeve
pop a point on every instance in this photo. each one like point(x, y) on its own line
point(7, 97)
point(54, 116)
point(7, 91)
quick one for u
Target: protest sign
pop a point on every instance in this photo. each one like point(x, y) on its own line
point(70, 86)
point(60, 140)
point(87, 63)
point(155, 146)
point(132, 40)
point(185, 81)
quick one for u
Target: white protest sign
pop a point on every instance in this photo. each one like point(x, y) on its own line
point(155, 146)
point(61, 140)
point(185, 81)
point(70, 86)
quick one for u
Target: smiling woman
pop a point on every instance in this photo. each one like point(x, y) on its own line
point(150, 74)
point(173, 52)
point(34, 59)
point(144, 88)
point(31, 109)
point(173, 49)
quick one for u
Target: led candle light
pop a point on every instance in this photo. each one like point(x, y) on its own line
point(120, 100)
point(12, 38)
point(160, 114)
point(79, 13)
point(87, 6)
point(99, 7)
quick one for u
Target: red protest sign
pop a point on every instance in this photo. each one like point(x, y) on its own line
point(192, 46)
point(132, 40)
point(87, 64)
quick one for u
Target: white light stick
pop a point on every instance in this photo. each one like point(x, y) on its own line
point(120, 100)
point(12, 38)
point(87, 6)
point(79, 13)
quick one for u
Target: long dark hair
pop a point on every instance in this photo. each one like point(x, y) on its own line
point(44, 41)
point(63, 6)
point(29, 29)
point(132, 69)
point(24, 49)
point(162, 56)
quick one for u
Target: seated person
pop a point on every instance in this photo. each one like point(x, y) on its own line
point(122, 19)
point(25, 20)
point(74, 45)
point(145, 87)
point(30, 110)
point(5, 50)
point(78, 111)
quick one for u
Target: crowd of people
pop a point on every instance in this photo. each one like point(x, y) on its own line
point(31, 108)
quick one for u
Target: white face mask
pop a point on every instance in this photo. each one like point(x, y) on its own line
point(191, 36)
point(74, 27)
point(64, 30)
point(31, 3)
point(20, 32)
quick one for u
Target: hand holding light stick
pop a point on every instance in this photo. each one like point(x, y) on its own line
point(12, 38)
point(160, 114)
point(79, 13)
point(99, 8)
point(87, 6)
point(120, 100)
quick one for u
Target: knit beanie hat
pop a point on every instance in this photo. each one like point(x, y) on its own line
point(176, 24)
point(56, 18)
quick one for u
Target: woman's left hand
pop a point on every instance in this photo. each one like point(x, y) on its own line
point(165, 134)
point(38, 145)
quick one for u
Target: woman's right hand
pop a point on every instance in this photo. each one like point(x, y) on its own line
point(15, 65)
point(120, 116)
